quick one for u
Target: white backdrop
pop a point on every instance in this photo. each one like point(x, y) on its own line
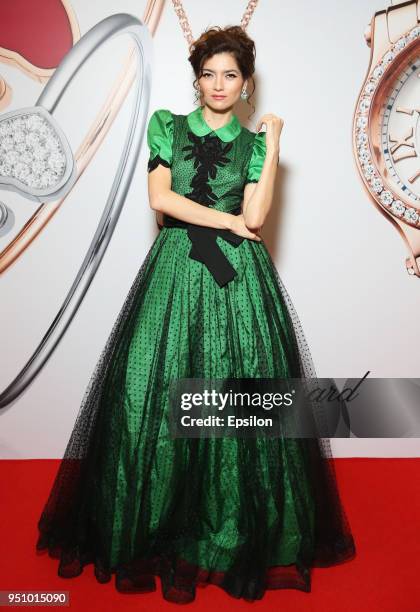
point(341, 262)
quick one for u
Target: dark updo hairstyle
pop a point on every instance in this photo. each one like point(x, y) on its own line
point(230, 39)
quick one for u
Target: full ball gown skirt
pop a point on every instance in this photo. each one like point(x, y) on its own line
point(246, 514)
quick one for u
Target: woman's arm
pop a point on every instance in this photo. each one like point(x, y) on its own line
point(258, 197)
point(163, 199)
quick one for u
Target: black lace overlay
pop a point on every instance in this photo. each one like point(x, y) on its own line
point(155, 162)
point(208, 152)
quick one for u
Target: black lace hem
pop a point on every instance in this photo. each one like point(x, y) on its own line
point(155, 162)
point(180, 578)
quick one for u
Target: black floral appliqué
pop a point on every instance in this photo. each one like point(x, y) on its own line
point(208, 154)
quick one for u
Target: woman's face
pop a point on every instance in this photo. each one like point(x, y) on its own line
point(221, 81)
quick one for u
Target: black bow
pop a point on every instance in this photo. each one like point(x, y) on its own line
point(205, 248)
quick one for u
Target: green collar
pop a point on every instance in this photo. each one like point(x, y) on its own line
point(199, 126)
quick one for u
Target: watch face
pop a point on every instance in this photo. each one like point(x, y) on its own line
point(386, 130)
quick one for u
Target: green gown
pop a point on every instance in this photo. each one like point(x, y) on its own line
point(246, 514)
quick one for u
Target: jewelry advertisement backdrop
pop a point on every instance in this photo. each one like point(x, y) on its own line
point(342, 264)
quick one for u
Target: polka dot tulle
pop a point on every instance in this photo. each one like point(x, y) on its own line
point(246, 514)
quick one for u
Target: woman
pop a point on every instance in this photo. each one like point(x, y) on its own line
point(247, 514)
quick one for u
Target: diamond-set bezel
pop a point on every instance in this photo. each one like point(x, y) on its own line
point(372, 177)
point(35, 157)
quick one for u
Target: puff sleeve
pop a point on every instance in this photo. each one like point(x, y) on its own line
point(160, 138)
point(257, 158)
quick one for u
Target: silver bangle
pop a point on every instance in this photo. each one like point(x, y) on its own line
point(54, 179)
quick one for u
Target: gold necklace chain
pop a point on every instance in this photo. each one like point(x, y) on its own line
point(185, 25)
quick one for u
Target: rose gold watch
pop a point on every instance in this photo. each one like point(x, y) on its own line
point(386, 123)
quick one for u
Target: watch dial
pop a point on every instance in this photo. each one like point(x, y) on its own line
point(400, 132)
point(386, 129)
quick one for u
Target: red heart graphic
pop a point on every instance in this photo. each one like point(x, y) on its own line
point(40, 31)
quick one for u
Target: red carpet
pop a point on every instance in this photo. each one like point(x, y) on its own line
point(382, 500)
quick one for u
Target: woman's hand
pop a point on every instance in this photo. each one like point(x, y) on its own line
point(238, 227)
point(274, 127)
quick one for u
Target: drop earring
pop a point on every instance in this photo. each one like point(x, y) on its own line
point(244, 94)
point(197, 94)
